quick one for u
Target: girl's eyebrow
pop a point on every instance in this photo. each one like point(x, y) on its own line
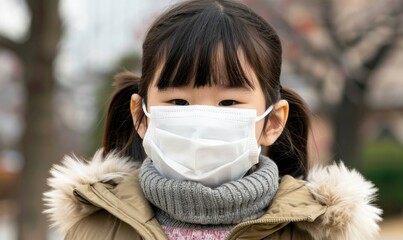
point(240, 88)
point(224, 87)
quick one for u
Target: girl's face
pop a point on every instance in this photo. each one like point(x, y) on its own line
point(220, 96)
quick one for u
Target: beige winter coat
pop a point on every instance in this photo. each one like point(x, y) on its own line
point(102, 199)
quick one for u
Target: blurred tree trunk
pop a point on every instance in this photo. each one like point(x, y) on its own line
point(39, 140)
point(38, 143)
point(347, 117)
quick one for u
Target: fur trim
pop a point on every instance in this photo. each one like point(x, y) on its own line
point(348, 196)
point(62, 207)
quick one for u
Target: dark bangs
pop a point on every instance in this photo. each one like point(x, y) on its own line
point(204, 50)
point(203, 43)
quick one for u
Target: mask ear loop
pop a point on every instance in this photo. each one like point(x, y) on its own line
point(265, 113)
point(145, 109)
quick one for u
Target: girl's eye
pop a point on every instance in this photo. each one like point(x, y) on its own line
point(226, 103)
point(179, 102)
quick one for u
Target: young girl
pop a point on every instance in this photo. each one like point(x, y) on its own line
point(182, 152)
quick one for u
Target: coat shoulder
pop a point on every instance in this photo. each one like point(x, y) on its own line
point(349, 198)
point(63, 208)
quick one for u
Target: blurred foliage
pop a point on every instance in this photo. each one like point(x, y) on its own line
point(131, 62)
point(383, 165)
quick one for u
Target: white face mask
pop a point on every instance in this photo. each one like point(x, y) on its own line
point(207, 144)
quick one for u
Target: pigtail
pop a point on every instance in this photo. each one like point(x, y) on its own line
point(290, 150)
point(120, 134)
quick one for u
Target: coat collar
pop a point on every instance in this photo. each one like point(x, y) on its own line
point(126, 202)
point(293, 203)
point(338, 199)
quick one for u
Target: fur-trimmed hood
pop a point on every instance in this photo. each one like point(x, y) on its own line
point(346, 194)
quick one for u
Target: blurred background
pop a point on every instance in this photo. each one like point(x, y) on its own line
point(58, 59)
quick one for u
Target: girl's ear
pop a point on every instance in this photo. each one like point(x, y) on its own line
point(136, 111)
point(276, 123)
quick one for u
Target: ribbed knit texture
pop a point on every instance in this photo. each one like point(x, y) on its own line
point(191, 204)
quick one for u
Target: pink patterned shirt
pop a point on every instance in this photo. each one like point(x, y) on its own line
point(194, 234)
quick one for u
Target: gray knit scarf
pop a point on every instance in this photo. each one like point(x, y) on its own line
point(180, 203)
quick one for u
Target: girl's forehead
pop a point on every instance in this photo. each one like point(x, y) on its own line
point(221, 73)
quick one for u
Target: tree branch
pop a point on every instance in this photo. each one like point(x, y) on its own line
point(11, 45)
point(327, 15)
point(354, 41)
point(387, 46)
point(390, 13)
